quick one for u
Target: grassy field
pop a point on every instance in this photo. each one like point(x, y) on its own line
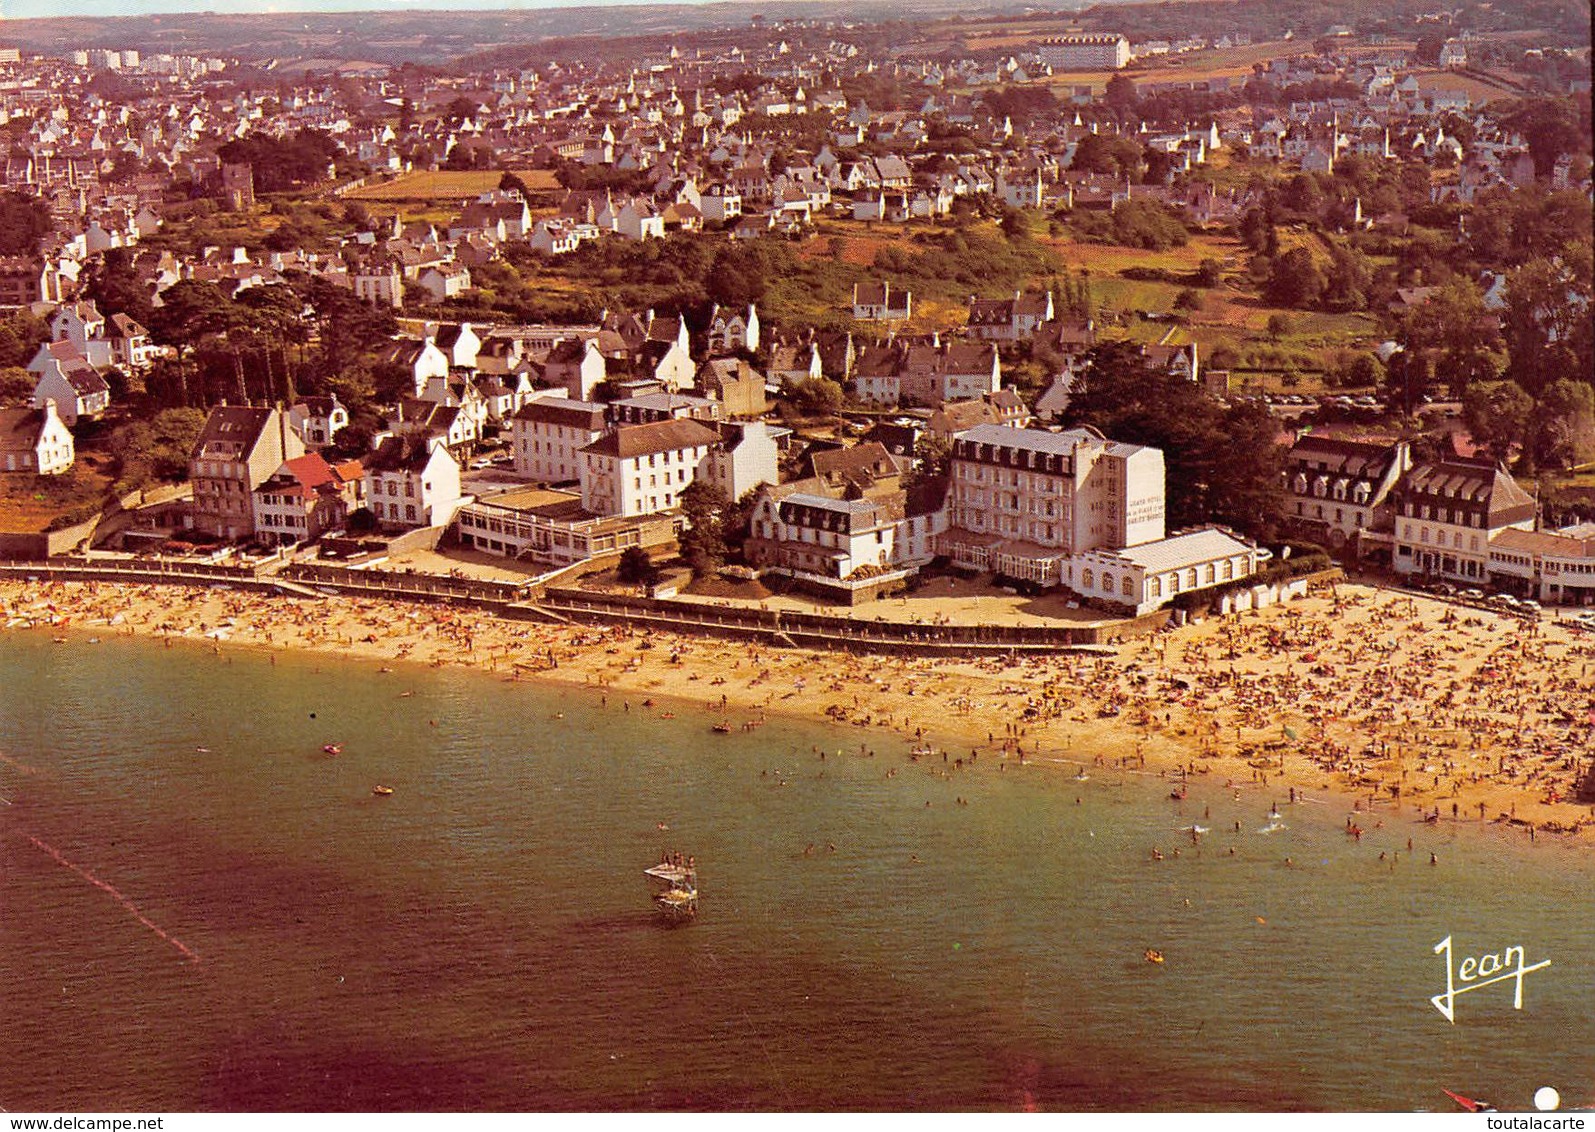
point(29, 503)
point(1110, 259)
point(857, 240)
point(1230, 315)
point(447, 185)
point(1234, 62)
point(1476, 89)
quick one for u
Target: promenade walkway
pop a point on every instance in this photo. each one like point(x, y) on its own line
point(528, 601)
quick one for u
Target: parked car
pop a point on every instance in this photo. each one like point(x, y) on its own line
point(1472, 595)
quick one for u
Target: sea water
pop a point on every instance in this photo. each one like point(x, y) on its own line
point(201, 909)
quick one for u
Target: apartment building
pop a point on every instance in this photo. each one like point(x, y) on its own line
point(1022, 501)
point(548, 434)
point(641, 469)
point(1447, 514)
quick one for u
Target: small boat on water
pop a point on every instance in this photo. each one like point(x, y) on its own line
point(381, 791)
point(677, 902)
point(922, 752)
point(722, 728)
point(332, 748)
point(1152, 956)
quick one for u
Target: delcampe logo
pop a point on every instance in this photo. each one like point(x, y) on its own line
point(1476, 973)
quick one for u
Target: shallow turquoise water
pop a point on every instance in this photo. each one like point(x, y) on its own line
point(482, 939)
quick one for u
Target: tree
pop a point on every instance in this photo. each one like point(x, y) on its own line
point(1278, 327)
point(1022, 104)
point(1365, 371)
point(1427, 50)
point(354, 439)
point(461, 108)
point(1302, 194)
point(191, 317)
point(1496, 414)
point(1188, 300)
point(270, 318)
point(155, 450)
point(125, 165)
point(349, 332)
point(1257, 232)
point(1014, 225)
point(281, 164)
point(1122, 94)
point(1294, 280)
point(819, 396)
point(1407, 378)
point(1103, 153)
point(1346, 286)
point(703, 542)
point(1453, 327)
point(933, 461)
point(1223, 464)
point(1563, 425)
point(16, 385)
point(1159, 164)
point(512, 183)
point(1546, 321)
point(24, 221)
point(1551, 127)
point(116, 288)
point(636, 568)
point(468, 154)
point(21, 335)
point(737, 277)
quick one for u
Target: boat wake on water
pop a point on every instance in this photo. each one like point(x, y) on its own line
point(1273, 827)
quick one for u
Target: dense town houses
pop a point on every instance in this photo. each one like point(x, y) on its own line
point(622, 410)
point(238, 449)
point(305, 498)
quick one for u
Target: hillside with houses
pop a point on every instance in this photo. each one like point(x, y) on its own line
point(827, 305)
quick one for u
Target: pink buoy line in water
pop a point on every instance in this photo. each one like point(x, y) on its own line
point(133, 910)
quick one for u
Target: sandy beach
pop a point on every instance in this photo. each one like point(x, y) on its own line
point(1391, 707)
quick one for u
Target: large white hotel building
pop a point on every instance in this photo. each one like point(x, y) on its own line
point(1078, 510)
